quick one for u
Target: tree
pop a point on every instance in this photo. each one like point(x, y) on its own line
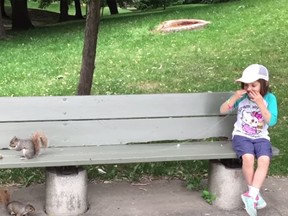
point(64, 8)
point(3, 9)
point(112, 4)
point(64, 16)
point(89, 49)
point(20, 15)
point(78, 14)
point(2, 30)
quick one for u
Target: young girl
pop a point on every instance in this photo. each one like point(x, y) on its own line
point(257, 110)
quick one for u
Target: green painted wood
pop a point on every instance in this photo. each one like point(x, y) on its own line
point(116, 154)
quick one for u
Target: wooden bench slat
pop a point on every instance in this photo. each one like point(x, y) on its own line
point(103, 132)
point(110, 106)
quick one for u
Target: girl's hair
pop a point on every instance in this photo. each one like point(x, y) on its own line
point(264, 87)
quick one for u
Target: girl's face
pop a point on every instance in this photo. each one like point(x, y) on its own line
point(255, 86)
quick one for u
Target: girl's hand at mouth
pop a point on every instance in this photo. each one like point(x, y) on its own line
point(255, 96)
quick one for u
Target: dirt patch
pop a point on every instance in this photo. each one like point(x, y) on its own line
point(181, 25)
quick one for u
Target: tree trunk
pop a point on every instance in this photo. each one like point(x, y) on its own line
point(89, 49)
point(3, 9)
point(112, 4)
point(64, 16)
point(78, 14)
point(20, 15)
point(2, 30)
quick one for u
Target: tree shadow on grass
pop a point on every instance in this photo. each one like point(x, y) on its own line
point(38, 18)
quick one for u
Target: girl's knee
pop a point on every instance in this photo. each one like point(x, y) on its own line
point(248, 159)
point(263, 161)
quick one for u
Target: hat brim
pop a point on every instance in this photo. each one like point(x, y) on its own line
point(243, 80)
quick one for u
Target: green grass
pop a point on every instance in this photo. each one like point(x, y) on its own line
point(22, 176)
point(131, 58)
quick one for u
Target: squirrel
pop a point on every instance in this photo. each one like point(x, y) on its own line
point(30, 147)
point(19, 209)
point(14, 207)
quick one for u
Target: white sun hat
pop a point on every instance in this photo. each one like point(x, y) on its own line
point(253, 73)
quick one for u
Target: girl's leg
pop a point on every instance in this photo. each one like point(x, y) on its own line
point(261, 171)
point(244, 148)
point(248, 167)
point(248, 172)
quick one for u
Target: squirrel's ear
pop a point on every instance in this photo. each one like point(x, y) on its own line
point(13, 140)
point(31, 207)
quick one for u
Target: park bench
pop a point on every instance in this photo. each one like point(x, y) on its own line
point(116, 129)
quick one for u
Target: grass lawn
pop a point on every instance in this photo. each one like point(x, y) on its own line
point(133, 59)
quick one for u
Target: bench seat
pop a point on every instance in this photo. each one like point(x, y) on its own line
point(130, 153)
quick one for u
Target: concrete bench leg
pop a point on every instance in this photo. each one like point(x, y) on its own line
point(66, 191)
point(227, 184)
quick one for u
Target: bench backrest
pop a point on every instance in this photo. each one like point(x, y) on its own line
point(115, 119)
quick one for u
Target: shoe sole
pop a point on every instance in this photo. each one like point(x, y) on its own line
point(261, 207)
point(249, 213)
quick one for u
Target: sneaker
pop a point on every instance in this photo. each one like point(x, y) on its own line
point(250, 204)
point(260, 202)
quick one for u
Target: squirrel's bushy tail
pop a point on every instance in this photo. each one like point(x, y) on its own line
point(4, 196)
point(39, 140)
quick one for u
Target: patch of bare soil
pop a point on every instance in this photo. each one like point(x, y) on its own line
point(180, 25)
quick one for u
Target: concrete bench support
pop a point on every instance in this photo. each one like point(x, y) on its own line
point(227, 184)
point(66, 191)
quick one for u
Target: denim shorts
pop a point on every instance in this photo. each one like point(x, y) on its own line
point(258, 147)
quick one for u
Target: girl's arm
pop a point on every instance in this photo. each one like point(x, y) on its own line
point(228, 105)
point(270, 112)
